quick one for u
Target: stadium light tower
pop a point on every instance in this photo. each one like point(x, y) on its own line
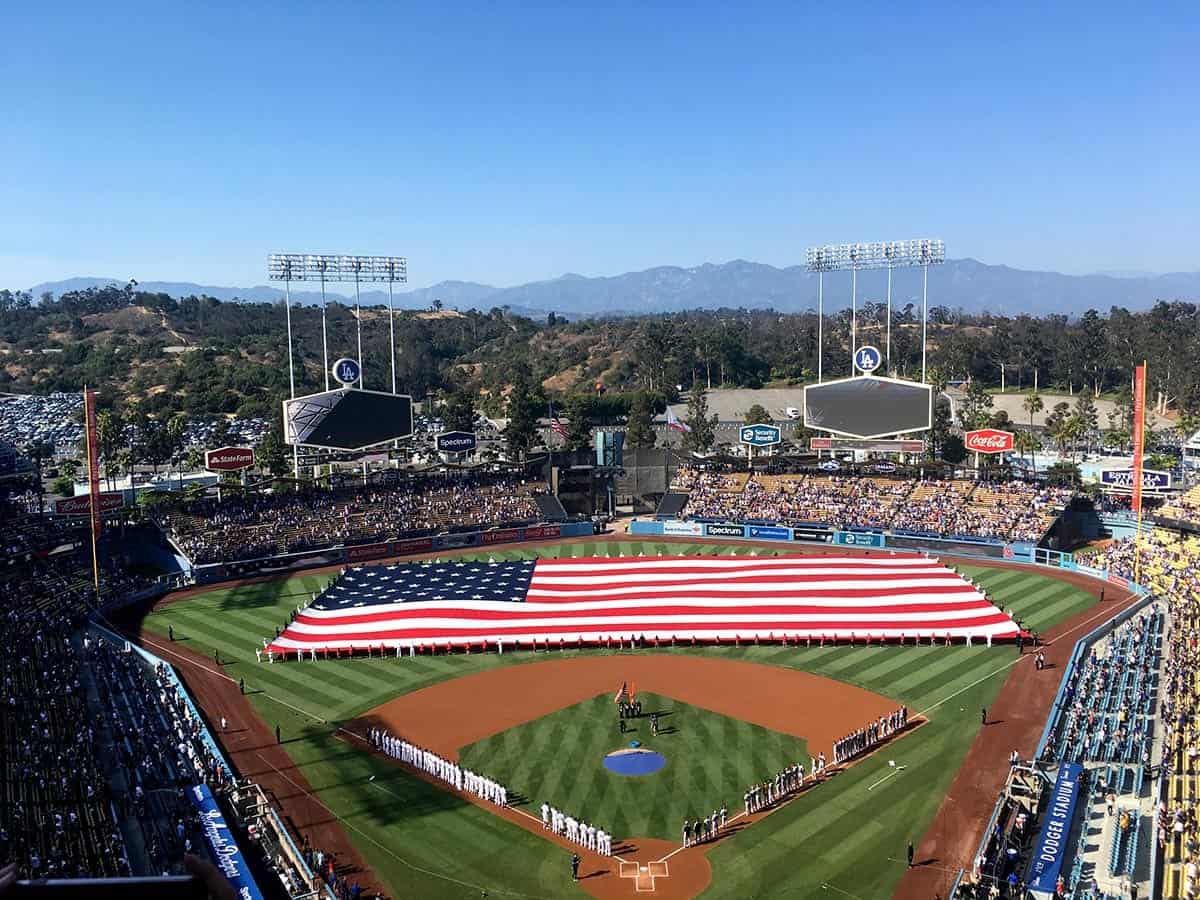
point(289, 267)
point(876, 255)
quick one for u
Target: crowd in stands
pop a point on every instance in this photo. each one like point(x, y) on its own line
point(1109, 700)
point(97, 746)
point(252, 526)
point(1186, 506)
point(1014, 510)
point(1169, 565)
point(865, 738)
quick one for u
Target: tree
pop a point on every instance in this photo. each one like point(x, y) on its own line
point(524, 408)
point(1026, 442)
point(757, 415)
point(1033, 404)
point(703, 428)
point(973, 409)
point(40, 451)
point(954, 451)
point(459, 413)
point(1064, 473)
point(639, 427)
point(272, 453)
point(579, 425)
point(1089, 417)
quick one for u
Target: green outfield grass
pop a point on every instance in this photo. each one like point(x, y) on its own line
point(427, 844)
point(711, 759)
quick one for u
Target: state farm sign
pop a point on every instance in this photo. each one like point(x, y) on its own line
point(988, 440)
point(228, 459)
point(82, 504)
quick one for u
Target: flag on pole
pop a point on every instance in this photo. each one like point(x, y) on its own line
point(556, 424)
point(674, 422)
point(622, 694)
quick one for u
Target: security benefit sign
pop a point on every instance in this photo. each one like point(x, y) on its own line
point(760, 435)
point(1052, 847)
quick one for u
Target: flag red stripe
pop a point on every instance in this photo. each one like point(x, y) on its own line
point(617, 626)
point(517, 611)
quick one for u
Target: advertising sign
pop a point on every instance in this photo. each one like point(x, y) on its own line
point(366, 551)
point(829, 465)
point(414, 545)
point(908, 445)
point(502, 536)
point(1052, 846)
point(468, 539)
point(725, 529)
point(1139, 437)
point(770, 532)
point(541, 532)
point(810, 534)
point(226, 854)
point(760, 435)
point(456, 442)
point(988, 440)
point(93, 459)
point(858, 539)
point(884, 466)
point(689, 529)
point(228, 459)
point(82, 505)
point(1152, 479)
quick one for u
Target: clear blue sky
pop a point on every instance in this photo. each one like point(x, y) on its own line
point(505, 143)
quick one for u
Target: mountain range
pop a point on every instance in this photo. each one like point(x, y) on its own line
point(963, 283)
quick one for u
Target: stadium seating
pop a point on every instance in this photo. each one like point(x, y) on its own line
point(1012, 511)
point(259, 525)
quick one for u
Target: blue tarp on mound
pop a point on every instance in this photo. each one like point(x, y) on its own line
point(634, 762)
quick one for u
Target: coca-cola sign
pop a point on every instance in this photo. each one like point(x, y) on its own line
point(988, 440)
point(228, 459)
point(81, 505)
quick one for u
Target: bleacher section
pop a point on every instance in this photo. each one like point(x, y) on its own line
point(1015, 511)
point(263, 525)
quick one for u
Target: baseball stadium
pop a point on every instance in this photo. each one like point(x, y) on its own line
point(776, 679)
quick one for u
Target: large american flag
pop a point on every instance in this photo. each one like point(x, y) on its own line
point(596, 600)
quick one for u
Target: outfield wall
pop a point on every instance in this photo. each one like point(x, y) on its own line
point(859, 538)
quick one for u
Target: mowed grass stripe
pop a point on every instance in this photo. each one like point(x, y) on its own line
point(436, 831)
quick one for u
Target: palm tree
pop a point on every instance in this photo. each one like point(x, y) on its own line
point(1026, 441)
point(1033, 404)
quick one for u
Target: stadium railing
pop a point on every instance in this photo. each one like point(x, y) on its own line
point(294, 856)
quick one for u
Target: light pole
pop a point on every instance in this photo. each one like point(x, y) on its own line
point(925, 252)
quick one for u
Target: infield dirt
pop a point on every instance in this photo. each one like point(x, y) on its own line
point(818, 709)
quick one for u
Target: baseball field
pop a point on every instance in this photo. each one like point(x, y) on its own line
point(844, 837)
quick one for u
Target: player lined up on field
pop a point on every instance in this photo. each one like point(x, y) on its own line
point(706, 828)
point(449, 772)
point(595, 839)
point(865, 738)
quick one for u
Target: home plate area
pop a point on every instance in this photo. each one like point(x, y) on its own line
point(643, 875)
point(698, 733)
